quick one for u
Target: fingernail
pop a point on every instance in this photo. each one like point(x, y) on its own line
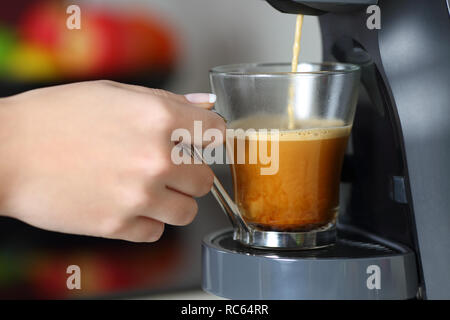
point(201, 97)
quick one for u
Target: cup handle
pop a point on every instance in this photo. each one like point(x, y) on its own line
point(222, 197)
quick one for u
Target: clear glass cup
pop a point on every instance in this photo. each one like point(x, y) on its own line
point(287, 198)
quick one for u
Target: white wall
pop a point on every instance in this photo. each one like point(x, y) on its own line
point(216, 32)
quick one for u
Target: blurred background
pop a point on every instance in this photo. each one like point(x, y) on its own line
point(169, 44)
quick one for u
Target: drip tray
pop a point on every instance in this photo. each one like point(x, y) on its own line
point(354, 268)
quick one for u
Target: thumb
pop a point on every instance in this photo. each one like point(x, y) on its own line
point(204, 100)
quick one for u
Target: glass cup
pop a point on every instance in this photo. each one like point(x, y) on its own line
point(286, 142)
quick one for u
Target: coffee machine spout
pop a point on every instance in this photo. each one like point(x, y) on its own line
point(318, 7)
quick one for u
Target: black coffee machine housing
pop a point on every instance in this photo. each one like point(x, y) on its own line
point(399, 165)
point(395, 194)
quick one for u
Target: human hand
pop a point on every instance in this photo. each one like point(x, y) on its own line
point(93, 158)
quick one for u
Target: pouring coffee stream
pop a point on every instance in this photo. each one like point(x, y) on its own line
point(294, 67)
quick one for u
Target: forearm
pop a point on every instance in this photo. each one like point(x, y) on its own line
point(7, 124)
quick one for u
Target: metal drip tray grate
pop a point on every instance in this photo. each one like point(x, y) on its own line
point(344, 248)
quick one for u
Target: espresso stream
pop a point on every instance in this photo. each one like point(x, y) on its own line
point(294, 67)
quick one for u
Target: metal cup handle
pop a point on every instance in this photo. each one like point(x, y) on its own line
point(222, 197)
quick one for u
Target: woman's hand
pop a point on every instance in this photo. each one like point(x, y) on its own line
point(94, 158)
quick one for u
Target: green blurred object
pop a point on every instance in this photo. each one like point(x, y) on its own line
point(11, 268)
point(8, 41)
point(30, 63)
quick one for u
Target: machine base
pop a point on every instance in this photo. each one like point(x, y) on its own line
point(351, 269)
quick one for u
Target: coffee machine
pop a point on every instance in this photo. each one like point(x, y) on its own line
point(394, 221)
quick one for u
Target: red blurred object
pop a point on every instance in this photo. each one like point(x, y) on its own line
point(109, 40)
point(11, 11)
point(41, 24)
point(103, 270)
point(108, 43)
point(149, 42)
point(48, 277)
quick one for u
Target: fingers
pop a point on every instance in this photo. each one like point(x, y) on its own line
point(193, 180)
point(148, 226)
point(142, 229)
point(205, 127)
point(184, 111)
point(175, 208)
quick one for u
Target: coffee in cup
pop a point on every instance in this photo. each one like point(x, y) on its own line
point(304, 193)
